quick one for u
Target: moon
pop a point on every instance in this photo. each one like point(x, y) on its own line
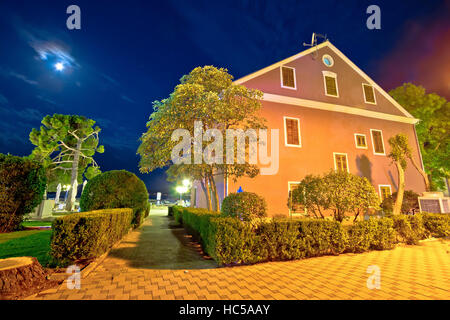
point(59, 66)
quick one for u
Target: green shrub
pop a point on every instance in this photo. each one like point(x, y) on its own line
point(170, 211)
point(410, 202)
point(22, 187)
point(117, 189)
point(436, 224)
point(88, 235)
point(409, 228)
point(177, 214)
point(372, 234)
point(244, 205)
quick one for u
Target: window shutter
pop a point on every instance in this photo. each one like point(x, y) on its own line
point(288, 77)
point(330, 83)
point(292, 131)
point(369, 93)
point(377, 142)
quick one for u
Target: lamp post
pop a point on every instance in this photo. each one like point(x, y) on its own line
point(181, 190)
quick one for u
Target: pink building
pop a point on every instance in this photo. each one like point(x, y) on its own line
point(330, 115)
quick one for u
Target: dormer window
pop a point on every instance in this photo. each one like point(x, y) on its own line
point(330, 83)
point(288, 78)
point(369, 94)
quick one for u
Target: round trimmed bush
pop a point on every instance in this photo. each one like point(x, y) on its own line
point(244, 205)
point(117, 189)
point(22, 188)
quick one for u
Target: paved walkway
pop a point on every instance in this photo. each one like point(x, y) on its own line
point(156, 262)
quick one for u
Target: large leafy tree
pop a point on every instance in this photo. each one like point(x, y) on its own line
point(207, 95)
point(433, 130)
point(66, 144)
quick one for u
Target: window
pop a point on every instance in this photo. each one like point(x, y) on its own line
point(330, 83)
point(340, 162)
point(294, 208)
point(360, 140)
point(385, 191)
point(327, 60)
point(288, 78)
point(369, 94)
point(377, 142)
point(292, 132)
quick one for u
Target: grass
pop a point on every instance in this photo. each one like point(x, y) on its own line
point(36, 223)
point(31, 243)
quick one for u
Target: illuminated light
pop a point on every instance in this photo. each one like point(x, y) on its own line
point(186, 182)
point(59, 66)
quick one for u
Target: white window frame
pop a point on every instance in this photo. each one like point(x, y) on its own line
point(289, 189)
point(346, 159)
point(332, 75)
point(364, 93)
point(384, 185)
point(281, 78)
point(299, 145)
point(356, 140)
point(330, 58)
point(373, 144)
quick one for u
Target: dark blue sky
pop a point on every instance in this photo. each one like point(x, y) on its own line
point(130, 53)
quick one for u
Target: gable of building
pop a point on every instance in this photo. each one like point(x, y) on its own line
point(305, 79)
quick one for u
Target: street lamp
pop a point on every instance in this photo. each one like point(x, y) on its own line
point(186, 183)
point(181, 190)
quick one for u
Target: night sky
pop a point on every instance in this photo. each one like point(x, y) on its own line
point(130, 53)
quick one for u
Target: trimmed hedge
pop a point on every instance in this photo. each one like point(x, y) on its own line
point(117, 189)
point(229, 240)
point(87, 235)
point(372, 234)
point(436, 224)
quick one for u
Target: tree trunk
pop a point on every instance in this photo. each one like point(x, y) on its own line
point(216, 194)
point(208, 194)
point(422, 172)
point(74, 176)
point(401, 189)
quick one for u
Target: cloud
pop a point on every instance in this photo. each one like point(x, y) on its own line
point(420, 57)
point(14, 74)
point(49, 101)
point(111, 80)
point(127, 99)
point(27, 114)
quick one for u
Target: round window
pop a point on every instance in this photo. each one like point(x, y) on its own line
point(328, 60)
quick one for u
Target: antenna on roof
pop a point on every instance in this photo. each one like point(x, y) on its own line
point(314, 42)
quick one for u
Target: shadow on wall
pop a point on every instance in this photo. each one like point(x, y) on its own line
point(364, 167)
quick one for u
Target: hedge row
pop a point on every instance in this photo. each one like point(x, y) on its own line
point(232, 241)
point(88, 235)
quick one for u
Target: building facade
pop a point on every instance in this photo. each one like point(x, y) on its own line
point(330, 115)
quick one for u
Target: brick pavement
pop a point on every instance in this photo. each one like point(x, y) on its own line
point(156, 262)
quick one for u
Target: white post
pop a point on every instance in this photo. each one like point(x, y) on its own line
point(58, 193)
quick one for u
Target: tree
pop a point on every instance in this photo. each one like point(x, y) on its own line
point(398, 154)
point(339, 191)
point(22, 187)
point(311, 194)
point(433, 130)
point(207, 96)
point(348, 193)
point(66, 144)
point(410, 202)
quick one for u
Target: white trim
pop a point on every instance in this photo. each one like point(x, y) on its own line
point(281, 78)
point(384, 185)
point(336, 108)
point(299, 145)
point(373, 144)
point(330, 75)
point(289, 189)
point(346, 159)
point(327, 56)
point(356, 140)
point(343, 57)
point(364, 93)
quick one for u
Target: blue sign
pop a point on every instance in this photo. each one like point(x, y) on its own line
point(240, 190)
